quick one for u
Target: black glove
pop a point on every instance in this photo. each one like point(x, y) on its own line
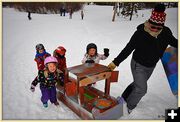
point(89, 61)
point(106, 52)
point(62, 83)
point(40, 72)
point(32, 88)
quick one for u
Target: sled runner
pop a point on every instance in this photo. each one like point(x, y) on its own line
point(170, 64)
point(85, 100)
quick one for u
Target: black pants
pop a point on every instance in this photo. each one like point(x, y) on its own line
point(137, 89)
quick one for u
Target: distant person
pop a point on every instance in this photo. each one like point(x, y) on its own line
point(29, 15)
point(70, 13)
point(62, 11)
point(149, 42)
point(82, 14)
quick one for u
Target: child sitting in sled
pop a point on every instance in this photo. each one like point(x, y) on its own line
point(41, 54)
point(48, 79)
point(59, 53)
point(92, 55)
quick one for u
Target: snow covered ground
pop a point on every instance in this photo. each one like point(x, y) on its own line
point(19, 69)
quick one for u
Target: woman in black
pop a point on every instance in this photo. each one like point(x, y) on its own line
point(148, 43)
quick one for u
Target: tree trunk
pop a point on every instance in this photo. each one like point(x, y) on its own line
point(132, 9)
point(115, 11)
point(118, 9)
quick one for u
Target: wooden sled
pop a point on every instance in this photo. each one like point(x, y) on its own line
point(86, 101)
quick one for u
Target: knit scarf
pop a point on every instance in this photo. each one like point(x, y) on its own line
point(40, 54)
point(146, 28)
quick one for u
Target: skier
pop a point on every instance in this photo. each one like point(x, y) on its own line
point(48, 79)
point(59, 53)
point(148, 43)
point(92, 56)
point(41, 54)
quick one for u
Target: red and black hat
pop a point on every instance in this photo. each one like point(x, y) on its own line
point(60, 50)
point(158, 16)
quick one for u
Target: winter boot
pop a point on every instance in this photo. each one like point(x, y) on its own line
point(45, 105)
point(56, 103)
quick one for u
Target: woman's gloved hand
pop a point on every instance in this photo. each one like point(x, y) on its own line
point(112, 66)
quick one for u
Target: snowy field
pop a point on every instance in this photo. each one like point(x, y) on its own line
point(19, 69)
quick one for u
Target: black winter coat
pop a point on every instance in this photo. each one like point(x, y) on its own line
point(147, 49)
point(49, 80)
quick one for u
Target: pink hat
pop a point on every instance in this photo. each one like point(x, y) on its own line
point(50, 59)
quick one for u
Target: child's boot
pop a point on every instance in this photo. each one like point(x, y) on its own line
point(45, 105)
point(56, 103)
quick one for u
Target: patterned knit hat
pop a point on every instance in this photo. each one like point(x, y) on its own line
point(158, 16)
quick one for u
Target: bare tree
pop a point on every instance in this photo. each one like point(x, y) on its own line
point(132, 9)
point(115, 11)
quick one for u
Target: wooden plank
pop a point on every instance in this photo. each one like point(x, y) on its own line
point(71, 88)
point(82, 113)
point(114, 76)
point(81, 95)
point(89, 80)
point(111, 114)
point(85, 70)
point(107, 87)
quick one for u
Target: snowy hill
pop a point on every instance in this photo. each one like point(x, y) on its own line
point(19, 69)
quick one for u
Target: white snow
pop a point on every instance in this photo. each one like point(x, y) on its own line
point(19, 69)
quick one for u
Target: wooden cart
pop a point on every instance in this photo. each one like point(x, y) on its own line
point(85, 100)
